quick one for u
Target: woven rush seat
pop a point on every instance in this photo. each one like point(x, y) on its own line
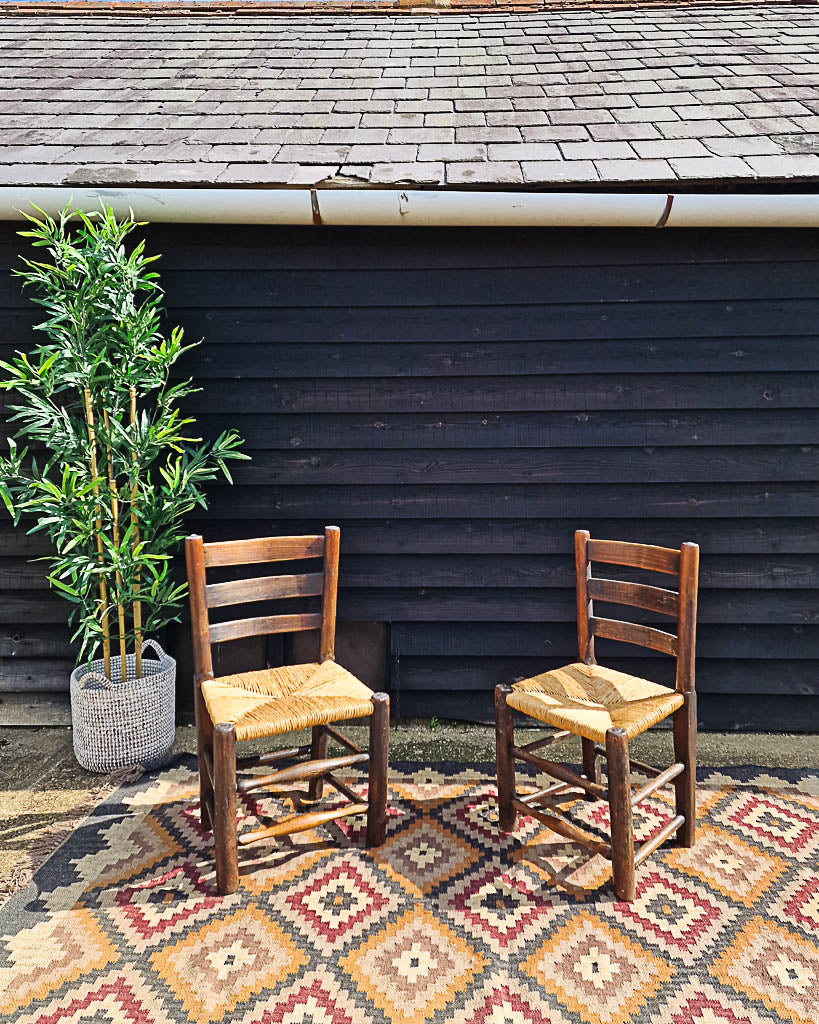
point(590, 699)
point(277, 700)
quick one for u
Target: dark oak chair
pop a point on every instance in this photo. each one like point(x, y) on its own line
point(608, 708)
point(273, 701)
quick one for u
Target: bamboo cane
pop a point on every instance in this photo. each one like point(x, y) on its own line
point(115, 535)
point(135, 525)
point(92, 438)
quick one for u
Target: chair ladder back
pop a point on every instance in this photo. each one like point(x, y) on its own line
point(203, 596)
point(680, 605)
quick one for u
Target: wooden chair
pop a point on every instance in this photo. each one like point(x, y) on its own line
point(607, 707)
point(272, 701)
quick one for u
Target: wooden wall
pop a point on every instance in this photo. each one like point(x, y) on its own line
point(459, 401)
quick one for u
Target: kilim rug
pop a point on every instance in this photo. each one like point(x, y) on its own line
point(449, 921)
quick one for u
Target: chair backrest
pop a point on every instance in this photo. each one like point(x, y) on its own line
point(680, 603)
point(200, 557)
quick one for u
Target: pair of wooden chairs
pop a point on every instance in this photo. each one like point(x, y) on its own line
point(598, 704)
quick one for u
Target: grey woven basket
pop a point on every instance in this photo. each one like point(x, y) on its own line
point(122, 725)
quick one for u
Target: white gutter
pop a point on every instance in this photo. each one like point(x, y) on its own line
point(416, 208)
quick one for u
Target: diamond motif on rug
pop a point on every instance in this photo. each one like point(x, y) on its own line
point(425, 855)
point(700, 1003)
point(775, 823)
point(506, 909)
point(61, 948)
point(313, 998)
point(122, 996)
point(128, 847)
point(776, 966)
point(596, 971)
point(475, 816)
point(682, 918)
point(339, 903)
point(741, 872)
point(413, 967)
point(222, 964)
point(154, 909)
point(502, 999)
point(799, 902)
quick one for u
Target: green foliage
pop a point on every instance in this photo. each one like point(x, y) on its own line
point(102, 333)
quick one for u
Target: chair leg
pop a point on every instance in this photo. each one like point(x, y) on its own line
point(224, 824)
point(318, 750)
point(685, 751)
point(204, 741)
point(378, 769)
point(622, 829)
point(504, 741)
point(591, 765)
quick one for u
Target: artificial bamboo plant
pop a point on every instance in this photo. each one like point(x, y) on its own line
point(108, 470)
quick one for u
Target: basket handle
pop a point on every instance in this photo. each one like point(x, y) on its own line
point(96, 677)
point(156, 649)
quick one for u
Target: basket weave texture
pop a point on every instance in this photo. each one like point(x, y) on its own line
point(124, 725)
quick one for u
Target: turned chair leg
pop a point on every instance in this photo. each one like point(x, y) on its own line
point(685, 751)
point(504, 741)
point(591, 765)
point(204, 741)
point(378, 768)
point(318, 751)
point(224, 824)
point(622, 829)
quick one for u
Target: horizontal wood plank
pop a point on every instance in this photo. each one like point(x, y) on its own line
point(781, 676)
point(634, 633)
point(558, 640)
point(654, 599)
point(508, 393)
point(579, 429)
point(496, 536)
point(262, 625)
point(395, 467)
point(263, 549)
point(264, 588)
point(640, 556)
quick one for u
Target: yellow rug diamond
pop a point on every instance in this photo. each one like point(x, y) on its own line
point(728, 864)
point(60, 949)
point(217, 967)
point(413, 967)
point(774, 965)
point(596, 971)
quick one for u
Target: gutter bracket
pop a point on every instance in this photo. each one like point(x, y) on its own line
point(669, 202)
point(314, 203)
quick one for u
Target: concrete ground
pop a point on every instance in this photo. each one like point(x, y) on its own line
point(44, 793)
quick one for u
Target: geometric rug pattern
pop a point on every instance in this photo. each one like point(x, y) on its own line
point(449, 921)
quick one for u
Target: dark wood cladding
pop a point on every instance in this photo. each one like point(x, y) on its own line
point(461, 401)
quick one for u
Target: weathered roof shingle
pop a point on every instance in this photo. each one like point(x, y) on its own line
point(554, 98)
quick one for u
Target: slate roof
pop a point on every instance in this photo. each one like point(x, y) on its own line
point(562, 98)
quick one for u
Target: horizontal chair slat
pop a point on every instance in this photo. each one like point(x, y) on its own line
point(639, 556)
point(221, 631)
point(263, 588)
point(634, 633)
point(637, 595)
point(263, 549)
